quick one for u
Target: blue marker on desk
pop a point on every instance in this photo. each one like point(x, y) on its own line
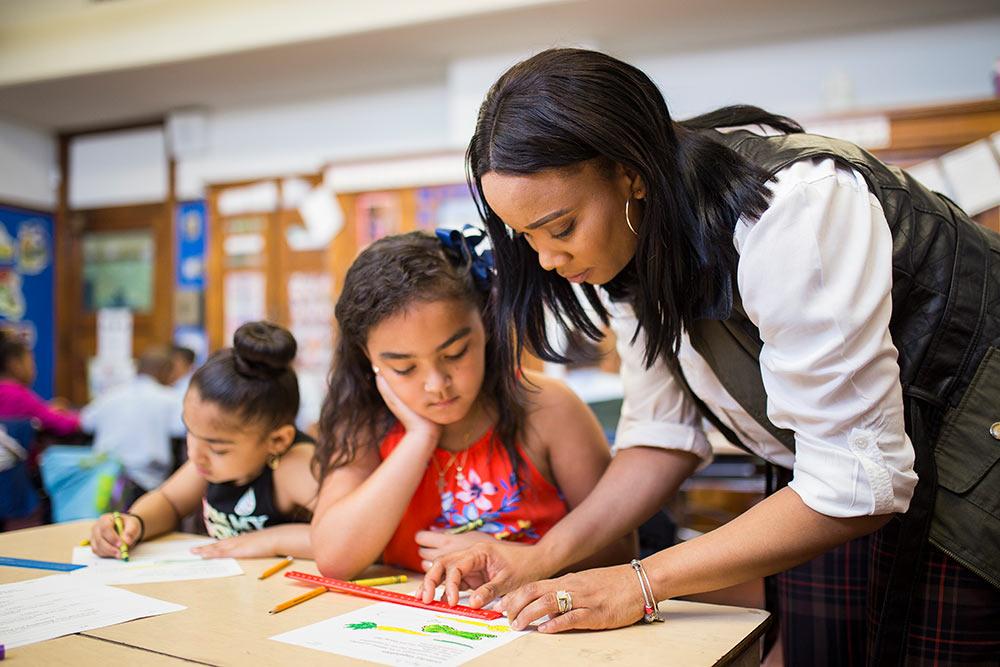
point(39, 564)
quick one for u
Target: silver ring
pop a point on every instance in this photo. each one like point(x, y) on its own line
point(564, 600)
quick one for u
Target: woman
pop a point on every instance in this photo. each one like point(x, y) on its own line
point(823, 310)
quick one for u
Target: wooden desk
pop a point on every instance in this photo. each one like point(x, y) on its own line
point(226, 622)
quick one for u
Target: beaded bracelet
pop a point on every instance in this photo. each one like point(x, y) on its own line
point(651, 613)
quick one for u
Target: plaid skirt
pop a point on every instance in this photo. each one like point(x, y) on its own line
point(828, 608)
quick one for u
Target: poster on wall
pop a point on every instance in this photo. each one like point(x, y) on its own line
point(310, 311)
point(448, 206)
point(378, 214)
point(245, 299)
point(27, 287)
point(191, 233)
point(113, 365)
point(118, 270)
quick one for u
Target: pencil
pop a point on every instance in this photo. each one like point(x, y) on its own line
point(277, 567)
point(84, 542)
point(120, 528)
point(297, 600)
point(380, 581)
point(465, 527)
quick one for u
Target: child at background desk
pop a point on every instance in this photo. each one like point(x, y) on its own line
point(430, 438)
point(18, 401)
point(248, 467)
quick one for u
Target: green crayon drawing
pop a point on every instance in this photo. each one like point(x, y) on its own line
point(448, 630)
point(368, 625)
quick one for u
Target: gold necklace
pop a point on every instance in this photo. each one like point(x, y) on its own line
point(453, 460)
point(459, 474)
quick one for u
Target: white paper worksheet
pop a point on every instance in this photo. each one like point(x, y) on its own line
point(393, 634)
point(168, 560)
point(39, 609)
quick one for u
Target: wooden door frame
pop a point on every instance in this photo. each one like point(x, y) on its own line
point(68, 228)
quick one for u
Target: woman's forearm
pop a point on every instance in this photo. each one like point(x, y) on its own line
point(774, 535)
point(639, 481)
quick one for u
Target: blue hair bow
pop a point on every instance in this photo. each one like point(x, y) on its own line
point(462, 245)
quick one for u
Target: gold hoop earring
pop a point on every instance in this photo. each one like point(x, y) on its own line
point(627, 221)
point(273, 461)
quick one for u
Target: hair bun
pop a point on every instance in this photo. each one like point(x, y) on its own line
point(263, 350)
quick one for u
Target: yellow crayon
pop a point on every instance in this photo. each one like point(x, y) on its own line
point(120, 529)
point(381, 581)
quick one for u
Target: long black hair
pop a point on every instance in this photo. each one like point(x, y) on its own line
point(253, 380)
point(386, 278)
point(563, 107)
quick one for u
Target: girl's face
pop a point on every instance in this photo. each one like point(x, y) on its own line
point(574, 218)
point(433, 357)
point(224, 448)
point(22, 369)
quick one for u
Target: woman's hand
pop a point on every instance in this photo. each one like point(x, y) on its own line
point(411, 421)
point(490, 568)
point(609, 597)
point(104, 540)
point(255, 544)
point(434, 543)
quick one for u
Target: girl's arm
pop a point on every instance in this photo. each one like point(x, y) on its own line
point(161, 509)
point(294, 488)
point(577, 453)
point(53, 419)
point(361, 504)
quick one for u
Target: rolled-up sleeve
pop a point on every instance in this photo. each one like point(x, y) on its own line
point(655, 411)
point(816, 278)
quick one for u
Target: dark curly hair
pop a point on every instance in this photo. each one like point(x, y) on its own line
point(385, 279)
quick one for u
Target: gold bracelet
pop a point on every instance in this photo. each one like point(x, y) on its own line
point(651, 612)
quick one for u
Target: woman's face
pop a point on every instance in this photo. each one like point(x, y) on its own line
point(573, 217)
point(225, 448)
point(433, 357)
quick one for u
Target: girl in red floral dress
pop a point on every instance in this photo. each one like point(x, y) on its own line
point(428, 440)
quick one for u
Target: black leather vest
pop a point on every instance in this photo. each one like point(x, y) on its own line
point(946, 326)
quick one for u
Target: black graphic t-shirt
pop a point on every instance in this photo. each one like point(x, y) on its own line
point(231, 509)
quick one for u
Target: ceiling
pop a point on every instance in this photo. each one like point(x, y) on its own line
point(419, 53)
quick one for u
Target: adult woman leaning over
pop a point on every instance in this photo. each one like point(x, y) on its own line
point(825, 311)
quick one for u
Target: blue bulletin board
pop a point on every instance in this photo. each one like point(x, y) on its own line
point(191, 232)
point(27, 286)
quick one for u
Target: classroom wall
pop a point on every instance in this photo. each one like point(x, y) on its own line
point(115, 169)
point(811, 76)
point(801, 76)
point(301, 136)
point(27, 166)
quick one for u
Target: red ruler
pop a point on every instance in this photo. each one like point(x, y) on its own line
point(373, 593)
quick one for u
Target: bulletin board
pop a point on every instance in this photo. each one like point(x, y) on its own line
point(27, 287)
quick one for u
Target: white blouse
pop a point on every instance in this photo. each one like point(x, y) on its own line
point(815, 277)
